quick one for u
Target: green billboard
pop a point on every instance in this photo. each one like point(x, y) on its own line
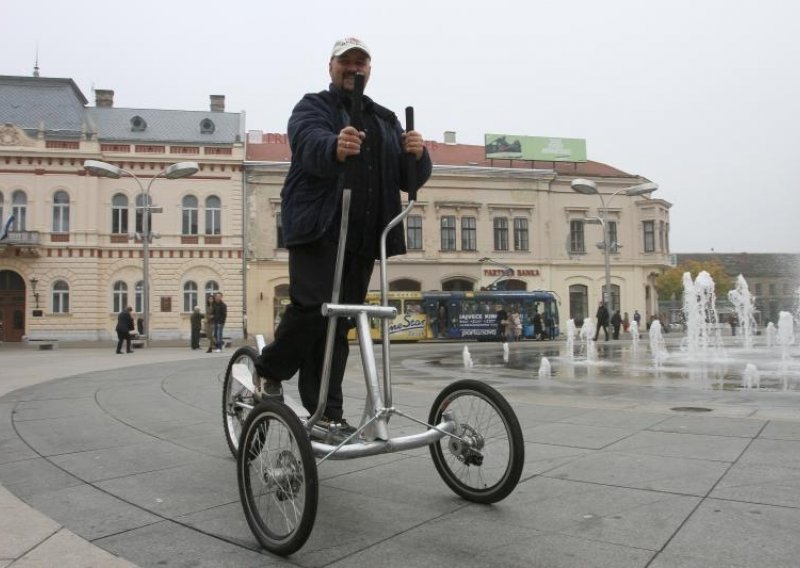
point(540, 148)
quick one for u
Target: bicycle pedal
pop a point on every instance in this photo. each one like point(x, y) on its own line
point(332, 437)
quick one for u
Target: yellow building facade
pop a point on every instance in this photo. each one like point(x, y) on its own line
point(480, 224)
point(73, 256)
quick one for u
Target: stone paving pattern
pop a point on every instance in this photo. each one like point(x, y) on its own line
point(123, 462)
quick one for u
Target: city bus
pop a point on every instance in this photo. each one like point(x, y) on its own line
point(466, 315)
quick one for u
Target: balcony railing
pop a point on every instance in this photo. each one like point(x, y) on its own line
point(22, 238)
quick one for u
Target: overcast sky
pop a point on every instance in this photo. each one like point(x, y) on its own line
point(699, 96)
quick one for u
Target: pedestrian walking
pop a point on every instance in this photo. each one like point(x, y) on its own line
point(501, 320)
point(209, 322)
point(196, 323)
point(602, 320)
point(514, 326)
point(124, 328)
point(616, 322)
point(220, 315)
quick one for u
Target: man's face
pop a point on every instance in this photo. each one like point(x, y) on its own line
point(343, 68)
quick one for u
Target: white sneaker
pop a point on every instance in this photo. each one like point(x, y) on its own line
point(217, 350)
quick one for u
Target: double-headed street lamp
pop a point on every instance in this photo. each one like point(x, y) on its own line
point(175, 171)
point(588, 187)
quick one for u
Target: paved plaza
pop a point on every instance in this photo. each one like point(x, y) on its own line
point(110, 460)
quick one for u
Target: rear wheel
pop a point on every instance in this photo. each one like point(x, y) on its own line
point(484, 462)
point(277, 477)
point(237, 400)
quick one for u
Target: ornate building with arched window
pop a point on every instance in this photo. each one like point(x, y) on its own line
point(74, 253)
point(483, 224)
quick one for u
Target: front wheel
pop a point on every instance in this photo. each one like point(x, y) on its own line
point(483, 463)
point(277, 476)
point(237, 400)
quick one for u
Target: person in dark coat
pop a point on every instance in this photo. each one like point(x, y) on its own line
point(537, 326)
point(124, 327)
point(322, 142)
point(602, 320)
point(196, 322)
point(209, 322)
point(220, 315)
point(616, 323)
point(501, 321)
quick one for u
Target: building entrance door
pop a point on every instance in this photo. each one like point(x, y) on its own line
point(12, 306)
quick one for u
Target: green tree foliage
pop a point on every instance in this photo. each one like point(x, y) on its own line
point(670, 284)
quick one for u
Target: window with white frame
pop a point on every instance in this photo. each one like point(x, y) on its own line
point(500, 233)
point(649, 236)
point(189, 215)
point(521, 234)
point(19, 209)
point(60, 297)
point(189, 295)
point(61, 212)
point(577, 243)
point(414, 232)
point(120, 296)
point(141, 202)
point(211, 288)
point(612, 236)
point(448, 232)
point(119, 214)
point(138, 297)
point(213, 215)
point(469, 233)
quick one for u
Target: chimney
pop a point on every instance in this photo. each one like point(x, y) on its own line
point(217, 103)
point(449, 137)
point(103, 98)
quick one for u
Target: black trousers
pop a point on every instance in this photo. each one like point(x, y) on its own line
point(123, 336)
point(195, 339)
point(300, 338)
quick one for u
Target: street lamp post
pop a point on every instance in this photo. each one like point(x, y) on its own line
point(588, 187)
point(174, 171)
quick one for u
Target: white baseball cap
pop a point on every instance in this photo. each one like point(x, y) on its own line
point(346, 44)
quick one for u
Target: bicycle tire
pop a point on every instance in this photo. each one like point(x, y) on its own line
point(277, 475)
point(486, 464)
point(234, 415)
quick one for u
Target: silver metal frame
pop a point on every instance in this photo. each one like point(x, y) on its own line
point(373, 432)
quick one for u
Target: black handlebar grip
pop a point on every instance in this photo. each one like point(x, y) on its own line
point(356, 109)
point(357, 122)
point(411, 161)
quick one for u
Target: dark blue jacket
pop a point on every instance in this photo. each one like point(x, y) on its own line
point(312, 194)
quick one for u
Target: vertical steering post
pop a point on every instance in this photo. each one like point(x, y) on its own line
point(378, 429)
point(411, 188)
point(332, 320)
